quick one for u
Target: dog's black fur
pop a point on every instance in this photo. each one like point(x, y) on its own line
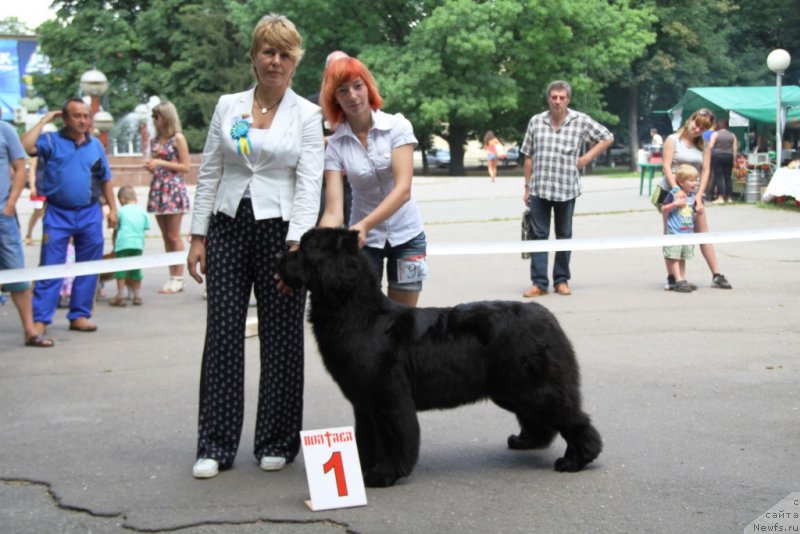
point(390, 360)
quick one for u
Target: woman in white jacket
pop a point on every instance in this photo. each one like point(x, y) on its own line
point(258, 191)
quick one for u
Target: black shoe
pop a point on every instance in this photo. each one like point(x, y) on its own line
point(682, 286)
point(670, 283)
point(720, 281)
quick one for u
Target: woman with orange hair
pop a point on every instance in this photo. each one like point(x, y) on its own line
point(375, 150)
point(687, 146)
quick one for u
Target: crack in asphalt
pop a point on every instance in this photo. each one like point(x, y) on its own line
point(56, 501)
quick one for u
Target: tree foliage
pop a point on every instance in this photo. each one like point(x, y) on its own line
point(453, 67)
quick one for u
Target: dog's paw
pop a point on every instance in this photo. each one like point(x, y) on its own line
point(376, 479)
point(517, 443)
point(564, 465)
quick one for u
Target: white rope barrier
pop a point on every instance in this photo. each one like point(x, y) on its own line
point(434, 249)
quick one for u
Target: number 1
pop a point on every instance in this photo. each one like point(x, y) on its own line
point(335, 463)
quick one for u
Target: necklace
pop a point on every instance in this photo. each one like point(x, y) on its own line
point(265, 109)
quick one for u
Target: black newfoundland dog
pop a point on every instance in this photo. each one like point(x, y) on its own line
point(391, 361)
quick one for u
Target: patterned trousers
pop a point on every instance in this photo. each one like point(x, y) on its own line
point(240, 256)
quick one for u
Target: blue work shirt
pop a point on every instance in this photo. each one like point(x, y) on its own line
point(72, 175)
point(10, 151)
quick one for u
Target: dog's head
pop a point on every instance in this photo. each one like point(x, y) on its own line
point(327, 263)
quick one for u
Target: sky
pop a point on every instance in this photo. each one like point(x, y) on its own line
point(31, 12)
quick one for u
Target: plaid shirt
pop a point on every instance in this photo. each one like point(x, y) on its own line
point(555, 153)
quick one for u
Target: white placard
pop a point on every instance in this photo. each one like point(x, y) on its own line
point(333, 468)
point(734, 120)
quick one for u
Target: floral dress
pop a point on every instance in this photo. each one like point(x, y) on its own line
point(167, 191)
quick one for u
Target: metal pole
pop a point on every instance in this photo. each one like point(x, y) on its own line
point(778, 129)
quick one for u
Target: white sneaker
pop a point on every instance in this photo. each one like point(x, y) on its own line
point(205, 468)
point(272, 463)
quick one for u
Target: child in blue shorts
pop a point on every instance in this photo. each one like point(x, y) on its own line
point(679, 211)
point(129, 241)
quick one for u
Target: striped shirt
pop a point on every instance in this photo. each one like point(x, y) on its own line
point(555, 152)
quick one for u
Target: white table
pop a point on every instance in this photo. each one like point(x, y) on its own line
point(784, 182)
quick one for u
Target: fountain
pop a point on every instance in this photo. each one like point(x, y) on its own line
point(130, 135)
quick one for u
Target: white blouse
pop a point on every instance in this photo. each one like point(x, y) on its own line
point(369, 172)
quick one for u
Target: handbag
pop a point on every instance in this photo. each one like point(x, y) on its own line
point(527, 231)
point(655, 196)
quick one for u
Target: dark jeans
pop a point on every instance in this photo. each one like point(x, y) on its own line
point(540, 214)
point(721, 171)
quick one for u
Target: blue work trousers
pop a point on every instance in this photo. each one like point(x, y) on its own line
point(85, 227)
point(540, 213)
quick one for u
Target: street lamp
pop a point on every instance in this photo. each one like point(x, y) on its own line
point(778, 61)
point(95, 84)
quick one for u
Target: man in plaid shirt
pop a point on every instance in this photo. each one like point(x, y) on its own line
point(553, 160)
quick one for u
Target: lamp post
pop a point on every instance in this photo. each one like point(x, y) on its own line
point(778, 61)
point(95, 84)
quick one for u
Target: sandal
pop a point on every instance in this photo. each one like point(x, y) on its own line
point(174, 285)
point(137, 301)
point(118, 301)
point(39, 341)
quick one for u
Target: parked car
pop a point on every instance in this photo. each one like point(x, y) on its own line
point(438, 157)
point(511, 159)
point(620, 153)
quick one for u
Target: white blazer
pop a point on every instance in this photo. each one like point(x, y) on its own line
point(289, 167)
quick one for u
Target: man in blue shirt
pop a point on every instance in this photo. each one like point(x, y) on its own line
point(75, 173)
point(12, 180)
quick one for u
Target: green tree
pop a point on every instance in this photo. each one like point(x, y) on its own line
point(14, 26)
point(692, 48)
point(84, 35)
point(190, 54)
point(470, 66)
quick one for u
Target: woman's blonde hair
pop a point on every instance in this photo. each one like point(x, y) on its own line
point(171, 123)
point(703, 118)
point(280, 32)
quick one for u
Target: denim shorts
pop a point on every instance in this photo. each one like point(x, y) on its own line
point(11, 255)
point(409, 255)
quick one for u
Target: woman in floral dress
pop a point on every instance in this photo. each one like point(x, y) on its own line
point(168, 198)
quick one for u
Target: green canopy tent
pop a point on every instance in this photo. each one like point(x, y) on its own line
point(753, 103)
point(744, 107)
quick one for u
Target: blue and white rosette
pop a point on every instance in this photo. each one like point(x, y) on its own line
point(239, 131)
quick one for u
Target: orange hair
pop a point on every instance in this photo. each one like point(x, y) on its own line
point(341, 71)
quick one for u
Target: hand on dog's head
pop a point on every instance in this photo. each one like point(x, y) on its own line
point(326, 262)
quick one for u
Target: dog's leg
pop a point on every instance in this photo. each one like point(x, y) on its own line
point(365, 439)
point(534, 434)
point(535, 431)
point(583, 443)
point(397, 444)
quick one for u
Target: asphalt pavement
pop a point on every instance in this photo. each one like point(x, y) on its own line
point(697, 396)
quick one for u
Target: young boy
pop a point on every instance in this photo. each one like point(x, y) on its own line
point(129, 241)
point(679, 219)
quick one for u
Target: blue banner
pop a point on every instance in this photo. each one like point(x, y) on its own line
point(10, 78)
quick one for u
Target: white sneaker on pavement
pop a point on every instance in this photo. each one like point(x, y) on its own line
point(205, 468)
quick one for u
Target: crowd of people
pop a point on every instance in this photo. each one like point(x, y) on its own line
point(260, 188)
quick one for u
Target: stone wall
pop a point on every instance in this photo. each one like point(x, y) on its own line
point(129, 170)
